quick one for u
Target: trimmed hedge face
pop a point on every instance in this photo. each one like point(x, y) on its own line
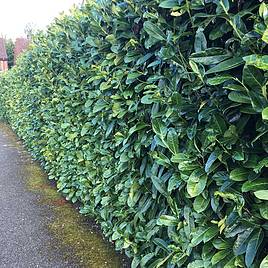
point(152, 114)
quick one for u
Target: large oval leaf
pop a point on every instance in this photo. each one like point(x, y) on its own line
point(220, 255)
point(241, 243)
point(253, 245)
point(217, 80)
point(262, 194)
point(196, 183)
point(154, 31)
point(172, 141)
point(210, 233)
point(264, 212)
point(258, 184)
point(239, 97)
point(259, 61)
point(169, 4)
point(253, 78)
point(265, 113)
point(226, 65)
point(167, 220)
point(200, 203)
point(159, 128)
point(264, 263)
point(239, 174)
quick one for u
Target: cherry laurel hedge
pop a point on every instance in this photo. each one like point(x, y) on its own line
point(153, 115)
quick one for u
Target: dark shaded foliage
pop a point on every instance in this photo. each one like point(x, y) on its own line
point(10, 52)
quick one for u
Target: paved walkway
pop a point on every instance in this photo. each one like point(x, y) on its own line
point(34, 228)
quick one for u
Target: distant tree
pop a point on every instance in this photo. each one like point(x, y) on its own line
point(10, 52)
point(30, 30)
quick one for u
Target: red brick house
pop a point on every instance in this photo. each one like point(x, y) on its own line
point(21, 44)
point(3, 56)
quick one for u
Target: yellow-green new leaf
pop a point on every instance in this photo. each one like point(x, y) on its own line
point(167, 220)
point(264, 113)
point(196, 183)
point(264, 263)
point(262, 194)
point(265, 36)
point(259, 61)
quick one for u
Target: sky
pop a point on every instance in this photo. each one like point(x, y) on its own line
point(16, 14)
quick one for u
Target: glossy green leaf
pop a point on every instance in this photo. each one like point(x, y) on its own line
point(239, 174)
point(168, 4)
point(217, 80)
point(196, 69)
point(262, 194)
point(65, 125)
point(196, 264)
point(200, 203)
point(211, 159)
point(174, 182)
point(253, 185)
point(147, 99)
point(132, 77)
point(84, 130)
point(260, 165)
point(226, 65)
point(235, 87)
point(146, 258)
point(221, 244)
point(162, 244)
point(259, 61)
point(219, 256)
point(172, 141)
point(225, 5)
point(253, 245)
point(167, 220)
point(200, 43)
point(239, 97)
point(241, 243)
point(265, 36)
point(220, 124)
point(154, 31)
point(253, 77)
point(265, 113)
point(197, 238)
point(263, 10)
point(159, 127)
point(196, 183)
point(210, 233)
point(264, 263)
point(211, 56)
point(159, 185)
point(264, 212)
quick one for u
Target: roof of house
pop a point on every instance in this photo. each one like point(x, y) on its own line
point(3, 52)
point(21, 44)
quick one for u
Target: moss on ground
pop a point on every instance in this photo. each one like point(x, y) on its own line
point(89, 247)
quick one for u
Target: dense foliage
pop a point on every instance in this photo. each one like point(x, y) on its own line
point(153, 115)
